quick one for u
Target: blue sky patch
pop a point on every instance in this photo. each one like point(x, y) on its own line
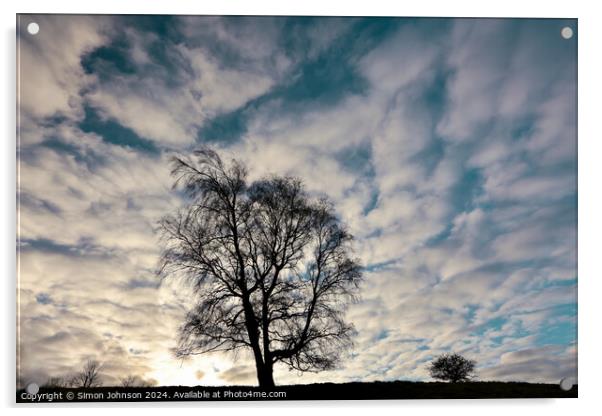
point(114, 133)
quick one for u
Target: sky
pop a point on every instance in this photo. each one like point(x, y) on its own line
point(447, 145)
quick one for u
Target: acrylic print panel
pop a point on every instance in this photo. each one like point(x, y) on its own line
point(221, 208)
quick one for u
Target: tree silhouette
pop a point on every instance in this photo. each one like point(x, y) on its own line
point(452, 367)
point(56, 382)
point(88, 377)
point(271, 267)
point(129, 381)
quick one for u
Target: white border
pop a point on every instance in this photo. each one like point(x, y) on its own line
point(590, 175)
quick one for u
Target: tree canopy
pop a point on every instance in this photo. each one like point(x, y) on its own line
point(452, 367)
point(271, 267)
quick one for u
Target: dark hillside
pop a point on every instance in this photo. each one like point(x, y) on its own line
point(327, 391)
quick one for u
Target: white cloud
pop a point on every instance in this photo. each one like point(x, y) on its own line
point(546, 364)
point(50, 74)
point(444, 262)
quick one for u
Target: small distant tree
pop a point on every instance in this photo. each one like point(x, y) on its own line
point(135, 381)
point(129, 381)
point(56, 382)
point(452, 367)
point(89, 376)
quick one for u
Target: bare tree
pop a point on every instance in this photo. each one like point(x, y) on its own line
point(129, 381)
point(89, 376)
point(271, 267)
point(135, 381)
point(56, 382)
point(452, 367)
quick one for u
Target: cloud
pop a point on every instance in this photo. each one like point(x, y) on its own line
point(546, 364)
point(167, 96)
point(448, 147)
point(239, 375)
point(56, 89)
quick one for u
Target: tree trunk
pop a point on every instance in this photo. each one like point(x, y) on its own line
point(266, 379)
point(253, 332)
point(265, 375)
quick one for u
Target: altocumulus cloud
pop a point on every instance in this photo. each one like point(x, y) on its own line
point(448, 146)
